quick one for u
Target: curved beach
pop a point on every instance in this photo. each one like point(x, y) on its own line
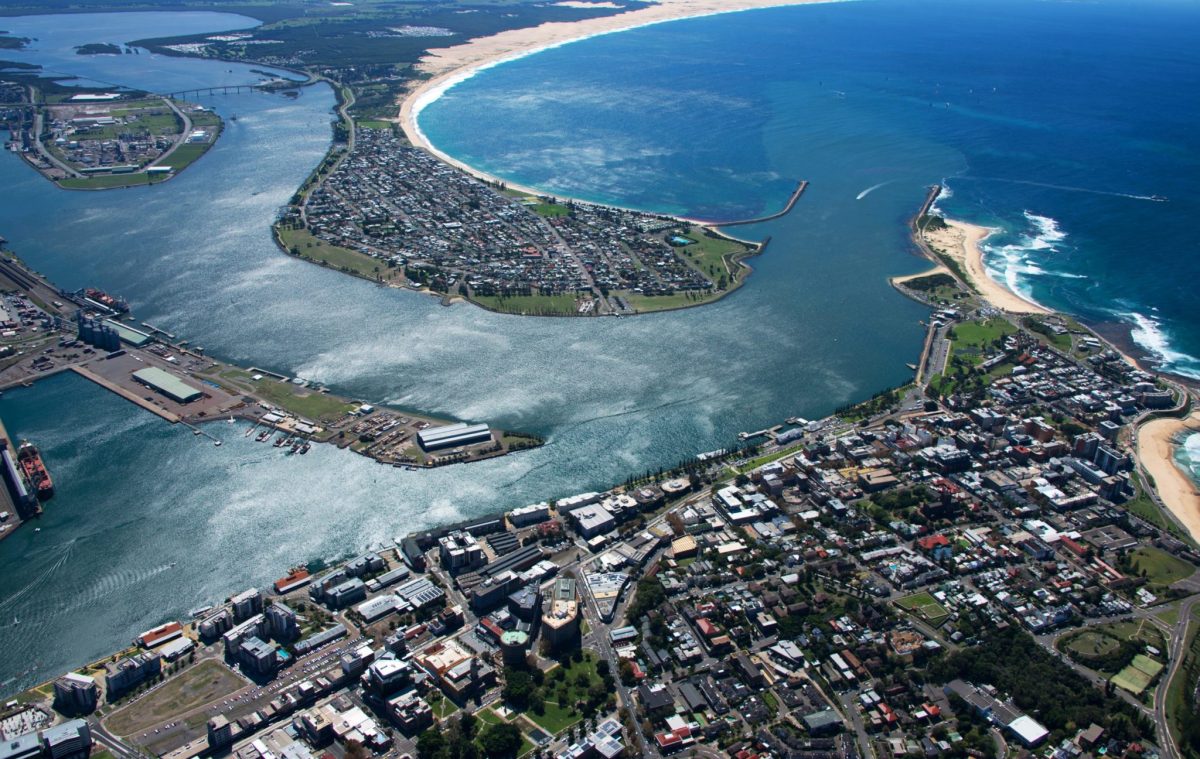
point(446, 67)
point(1156, 444)
point(960, 242)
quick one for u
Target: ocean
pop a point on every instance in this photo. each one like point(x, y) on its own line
point(711, 117)
point(1068, 127)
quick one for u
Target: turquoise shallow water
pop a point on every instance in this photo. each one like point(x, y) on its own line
point(1188, 456)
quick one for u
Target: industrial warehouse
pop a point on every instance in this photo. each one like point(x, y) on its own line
point(453, 435)
point(163, 382)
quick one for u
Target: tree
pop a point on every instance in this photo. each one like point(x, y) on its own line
point(500, 741)
point(518, 687)
point(468, 723)
point(429, 743)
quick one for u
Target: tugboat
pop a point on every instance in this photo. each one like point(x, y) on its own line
point(35, 471)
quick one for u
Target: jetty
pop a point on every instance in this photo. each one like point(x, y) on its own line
point(801, 186)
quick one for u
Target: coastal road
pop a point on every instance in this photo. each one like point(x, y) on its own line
point(43, 152)
point(1178, 652)
point(183, 134)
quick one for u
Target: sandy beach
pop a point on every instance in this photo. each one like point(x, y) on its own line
point(447, 66)
point(1156, 443)
point(960, 241)
point(906, 278)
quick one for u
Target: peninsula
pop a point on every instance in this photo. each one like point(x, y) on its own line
point(395, 214)
point(954, 247)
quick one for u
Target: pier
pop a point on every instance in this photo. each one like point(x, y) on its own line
point(800, 188)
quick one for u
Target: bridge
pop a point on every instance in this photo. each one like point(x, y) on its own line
point(227, 90)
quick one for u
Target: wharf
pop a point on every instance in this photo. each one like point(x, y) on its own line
point(126, 394)
point(199, 389)
point(768, 432)
point(9, 525)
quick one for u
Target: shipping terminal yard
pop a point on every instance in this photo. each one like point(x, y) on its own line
point(45, 331)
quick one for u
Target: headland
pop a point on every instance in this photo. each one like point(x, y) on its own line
point(956, 244)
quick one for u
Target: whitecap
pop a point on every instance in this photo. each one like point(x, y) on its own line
point(1148, 333)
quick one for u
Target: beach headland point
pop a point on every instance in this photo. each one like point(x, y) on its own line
point(960, 242)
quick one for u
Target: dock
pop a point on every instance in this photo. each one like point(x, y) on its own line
point(126, 394)
point(14, 520)
point(768, 432)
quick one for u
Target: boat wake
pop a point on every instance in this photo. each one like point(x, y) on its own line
point(1070, 188)
point(64, 556)
point(872, 189)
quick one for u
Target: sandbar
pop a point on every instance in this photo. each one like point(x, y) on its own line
point(1156, 444)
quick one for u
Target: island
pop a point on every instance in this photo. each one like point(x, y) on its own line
point(98, 48)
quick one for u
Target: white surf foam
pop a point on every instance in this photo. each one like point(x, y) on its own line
point(1017, 263)
point(1148, 333)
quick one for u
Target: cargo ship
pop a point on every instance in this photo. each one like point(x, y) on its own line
point(35, 471)
point(111, 302)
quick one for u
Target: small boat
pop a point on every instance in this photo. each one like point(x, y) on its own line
point(263, 435)
point(279, 441)
point(304, 448)
point(217, 443)
point(195, 432)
